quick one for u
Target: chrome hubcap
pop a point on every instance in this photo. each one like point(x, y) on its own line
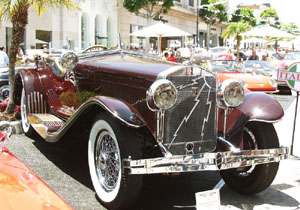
point(107, 161)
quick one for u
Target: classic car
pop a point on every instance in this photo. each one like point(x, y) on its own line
point(142, 115)
point(20, 188)
point(230, 69)
point(266, 68)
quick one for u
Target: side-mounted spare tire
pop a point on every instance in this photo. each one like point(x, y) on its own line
point(254, 179)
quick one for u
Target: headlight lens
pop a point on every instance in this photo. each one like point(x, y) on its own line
point(161, 95)
point(230, 94)
point(68, 60)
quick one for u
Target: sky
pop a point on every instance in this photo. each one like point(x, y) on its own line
point(288, 10)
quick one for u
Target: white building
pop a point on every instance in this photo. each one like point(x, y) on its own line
point(99, 22)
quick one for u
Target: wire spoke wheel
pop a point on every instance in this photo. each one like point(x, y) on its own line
point(109, 143)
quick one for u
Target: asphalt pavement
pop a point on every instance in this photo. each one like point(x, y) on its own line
point(63, 166)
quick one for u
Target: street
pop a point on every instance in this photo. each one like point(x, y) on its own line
point(63, 166)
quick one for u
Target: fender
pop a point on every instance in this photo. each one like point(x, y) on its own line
point(256, 107)
point(119, 109)
point(29, 79)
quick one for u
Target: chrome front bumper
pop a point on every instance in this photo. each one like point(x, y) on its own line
point(213, 161)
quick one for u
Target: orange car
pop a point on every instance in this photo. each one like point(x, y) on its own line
point(20, 188)
point(230, 69)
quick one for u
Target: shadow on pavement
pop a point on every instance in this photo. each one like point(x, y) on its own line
point(70, 155)
point(266, 199)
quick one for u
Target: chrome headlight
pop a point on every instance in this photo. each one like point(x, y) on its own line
point(68, 60)
point(230, 94)
point(161, 95)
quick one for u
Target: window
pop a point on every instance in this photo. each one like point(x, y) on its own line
point(191, 3)
point(42, 38)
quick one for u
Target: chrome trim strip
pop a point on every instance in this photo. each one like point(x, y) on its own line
point(205, 161)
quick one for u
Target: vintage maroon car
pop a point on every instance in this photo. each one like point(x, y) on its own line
point(146, 116)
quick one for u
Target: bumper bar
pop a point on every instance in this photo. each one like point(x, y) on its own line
point(213, 161)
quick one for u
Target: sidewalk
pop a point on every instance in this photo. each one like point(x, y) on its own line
point(284, 127)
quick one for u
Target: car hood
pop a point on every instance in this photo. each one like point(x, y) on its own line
point(253, 81)
point(128, 64)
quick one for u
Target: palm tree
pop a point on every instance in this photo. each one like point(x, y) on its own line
point(16, 11)
point(235, 29)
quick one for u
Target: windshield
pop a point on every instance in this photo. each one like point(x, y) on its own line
point(286, 56)
point(265, 65)
point(225, 66)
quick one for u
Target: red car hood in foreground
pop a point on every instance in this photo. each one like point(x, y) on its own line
point(20, 188)
point(253, 81)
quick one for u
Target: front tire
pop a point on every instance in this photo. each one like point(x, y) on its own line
point(109, 143)
point(27, 128)
point(254, 179)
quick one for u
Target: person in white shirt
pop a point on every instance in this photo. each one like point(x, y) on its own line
point(3, 57)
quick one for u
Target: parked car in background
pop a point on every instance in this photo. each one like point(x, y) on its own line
point(214, 52)
point(229, 69)
point(141, 115)
point(243, 56)
point(266, 68)
point(288, 57)
point(20, 188)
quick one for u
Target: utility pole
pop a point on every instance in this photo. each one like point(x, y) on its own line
point(197, 26)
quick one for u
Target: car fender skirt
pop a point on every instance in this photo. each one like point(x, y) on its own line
point(256, 107)
point(119, 109)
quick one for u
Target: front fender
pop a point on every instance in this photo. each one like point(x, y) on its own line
point(256, 107)
point(120, 110)
point(29, 79)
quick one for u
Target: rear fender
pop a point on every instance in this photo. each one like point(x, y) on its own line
point(256, 107)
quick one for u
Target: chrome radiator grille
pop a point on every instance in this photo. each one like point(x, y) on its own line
point(190, 126)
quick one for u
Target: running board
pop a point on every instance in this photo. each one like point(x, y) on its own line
point(44, 124)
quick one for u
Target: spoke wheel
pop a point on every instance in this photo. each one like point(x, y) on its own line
point(254, 179)
point(109, 143)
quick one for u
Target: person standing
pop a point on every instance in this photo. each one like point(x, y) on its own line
point(253, 56)
point(3, 57)
point(172, 58)
point(282, 64)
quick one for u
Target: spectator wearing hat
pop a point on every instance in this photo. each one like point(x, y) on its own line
point(3, 57)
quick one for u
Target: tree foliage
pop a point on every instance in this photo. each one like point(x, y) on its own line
point(244, 15)
point(16, 11)
point(235, 29)
point(270, 16)
point(212, 12)
point(148, 8)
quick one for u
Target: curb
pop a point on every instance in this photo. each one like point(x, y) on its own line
point(16, 127)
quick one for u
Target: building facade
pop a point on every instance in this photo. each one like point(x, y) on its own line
point(100, 22)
